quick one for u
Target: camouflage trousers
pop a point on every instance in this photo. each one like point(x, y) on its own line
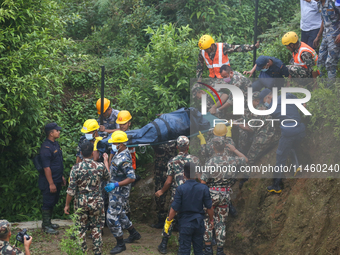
point(298, 72)
point(127, 206)
point(116, 218)
point(220, 202)
point(94, 221)
point(329, 55)
point(173, 192)
point(160, 178)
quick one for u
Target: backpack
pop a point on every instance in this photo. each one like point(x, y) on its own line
point(38, 165)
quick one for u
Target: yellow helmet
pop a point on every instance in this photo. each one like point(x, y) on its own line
point(89, 126)
point(118, 137)
point(205, 42)
point(123, 117)
point(290, 37)
point(106, 104)
point(220, 129)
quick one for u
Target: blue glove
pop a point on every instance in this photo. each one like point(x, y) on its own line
point(111, 186)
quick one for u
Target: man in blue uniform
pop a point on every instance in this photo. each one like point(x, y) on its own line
point(271, 68)
point(291, 133)
point(51, 181)
point(188, 202)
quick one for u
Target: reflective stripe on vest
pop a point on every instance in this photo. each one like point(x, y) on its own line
point(297, 57)
point(219, 60)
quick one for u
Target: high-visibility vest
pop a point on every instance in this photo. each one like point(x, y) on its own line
point(297, 56)
point(219, 60)
point(133, 156)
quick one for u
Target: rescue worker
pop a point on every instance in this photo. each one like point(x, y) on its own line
point(122, 175)
point(90, 130)
point(84, 186)
point(329, 51)
point(291, 133)
point(214, 55)
point(219, 183)
point(234, 78)
point(304, 57)
point(51, 181)
point(256, 139)
point(271, 70)
point(174, 179)
point(310, 21)
point(110, 116)
point(163, 153)
point(188, 202)
point(197, 92)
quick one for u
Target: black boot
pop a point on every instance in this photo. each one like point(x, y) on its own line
point(208, 250)
point(160, 223)
point(162, 247)
point(276, 186)
point(220, 251)
point(54, 226)
point(134, 235)
point(232, 210)
point(119, 247)
point(46, 223)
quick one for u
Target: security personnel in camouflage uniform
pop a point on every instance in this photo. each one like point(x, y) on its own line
point(175, 178)
point(163, 153)
point(110, 116)
point(207, 149)
point(219, 183)
point(85, 181)
point(214, 55)
point(256, 139)
point(197, 92)
point(234, 78)
point(329, 52)
point(304, 57)
point(5, 235)
point(122, 175)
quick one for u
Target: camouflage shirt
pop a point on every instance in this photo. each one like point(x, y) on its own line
point(307, 58)
point(227, 48)
point(330, 15)
point(110, 122)
point(7, 249)
point(266, 127)
point(241, 82)
point(176, 167)
point(85, 180)
point(120, 169)
point(163, 153)
point(221, 179)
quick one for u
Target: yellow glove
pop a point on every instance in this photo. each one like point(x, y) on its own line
point(167, 225)
point(99, 138)
point(228, 131)
point(201, 137)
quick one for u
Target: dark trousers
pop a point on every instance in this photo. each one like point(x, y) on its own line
point(309, 36)
point(49, 199)
point(191, 232)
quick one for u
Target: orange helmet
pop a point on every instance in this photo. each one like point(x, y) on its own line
point(106, 104)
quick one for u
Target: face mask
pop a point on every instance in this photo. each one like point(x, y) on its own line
point(266, 104)
point(227, 80)
point(89, 136)
point(264, 70)
point(114, 148)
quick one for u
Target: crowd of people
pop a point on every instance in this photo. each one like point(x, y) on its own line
point(100, 184)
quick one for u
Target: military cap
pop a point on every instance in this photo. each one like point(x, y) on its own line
point(5, 227)
point(51, 126)
point(261, 62)
point(256, 95)
point(218, 140)
point(182, 141)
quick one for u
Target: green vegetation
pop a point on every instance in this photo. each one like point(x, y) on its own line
point(51, 53)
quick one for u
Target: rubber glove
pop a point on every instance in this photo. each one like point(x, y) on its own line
point(228, 131)
point(99, 138)
point(111, 186)
point(201, 137)
point(168, 224)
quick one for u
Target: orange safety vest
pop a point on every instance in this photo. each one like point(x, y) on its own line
point(297, 56)
point(219, 60)
point(133, 156)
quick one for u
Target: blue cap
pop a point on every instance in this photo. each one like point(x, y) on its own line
point(51, 126)
point(337, 3)
point(261, 61)
point(264, 93)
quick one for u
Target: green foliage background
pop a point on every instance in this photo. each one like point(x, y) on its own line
point(51, 53)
